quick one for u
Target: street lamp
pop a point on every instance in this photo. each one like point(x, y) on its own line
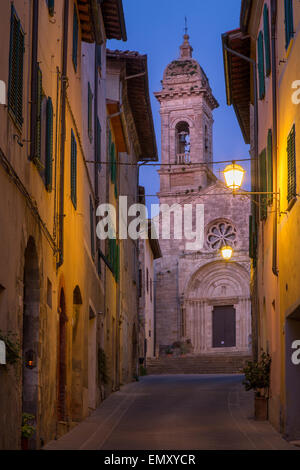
point(234, 175)
point(226, 252)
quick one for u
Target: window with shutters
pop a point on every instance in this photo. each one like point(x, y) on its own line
point(92, 227)
point(114, 257)
point(98, 144)
point(291, 165)
point(50, 4)
point(73, 170)
point(263, 184)
point(90, 112)
point(39, 115)
point(113, 166)
point(261, 67)
point(267, 40)
point(288, 21)
point(270, 167)
point(252, 237)
point(75, 38)
point(16, 59)
point(49, 145)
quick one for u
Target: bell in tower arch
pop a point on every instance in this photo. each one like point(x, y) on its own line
point(183, 143)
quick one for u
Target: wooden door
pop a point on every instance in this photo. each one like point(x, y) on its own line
point(224, 327)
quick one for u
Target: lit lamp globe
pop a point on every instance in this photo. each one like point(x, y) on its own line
point(226, 252)
point(234, 175)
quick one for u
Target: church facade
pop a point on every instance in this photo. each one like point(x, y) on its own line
point(202, 302)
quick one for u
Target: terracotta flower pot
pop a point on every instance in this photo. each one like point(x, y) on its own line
point(261, 408)
point(24, 443)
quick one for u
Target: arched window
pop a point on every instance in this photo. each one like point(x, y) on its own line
point(183, 144)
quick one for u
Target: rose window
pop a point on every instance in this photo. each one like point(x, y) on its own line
point(221, 234)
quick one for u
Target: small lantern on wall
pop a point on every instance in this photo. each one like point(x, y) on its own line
point(30, 359)
point(226, 252)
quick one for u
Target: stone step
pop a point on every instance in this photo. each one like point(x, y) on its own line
point(200, 364)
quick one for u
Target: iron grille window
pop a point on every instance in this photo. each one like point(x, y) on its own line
point(16, 59)
point(291, 164)
point(270, 166)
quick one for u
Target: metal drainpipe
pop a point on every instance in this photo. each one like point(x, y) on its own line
point(274, 100)
point(34, 66)
point(63, 133)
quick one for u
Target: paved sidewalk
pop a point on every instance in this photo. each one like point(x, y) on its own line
point(175, 412)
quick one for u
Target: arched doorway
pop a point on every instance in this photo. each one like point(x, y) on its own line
point(134, 352)
point(30, 337)
point(77, 356)
point(216, 309)
point(62, 358)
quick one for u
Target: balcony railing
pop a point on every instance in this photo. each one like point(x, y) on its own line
point(183, 158)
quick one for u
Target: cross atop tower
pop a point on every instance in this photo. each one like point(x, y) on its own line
point(186, 49)
point(185, 28)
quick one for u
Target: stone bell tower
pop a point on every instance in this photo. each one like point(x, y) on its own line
point(202, 303)
point(187, 103)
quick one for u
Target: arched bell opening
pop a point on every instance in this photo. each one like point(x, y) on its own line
point(183, 143)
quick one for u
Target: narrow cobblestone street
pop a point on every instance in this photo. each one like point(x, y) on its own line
point(211, 412)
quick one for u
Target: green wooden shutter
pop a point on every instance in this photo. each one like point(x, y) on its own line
point(291, 163)
point(261, 67)
point(270, 167)
point(98, 144)
point(289, 22)
point(73, 170)
point(90, 112)
point(16, 59)
point(267, 40)
point(92, 228)
point(39, 98)
point(49, 144)
point(51, 7)
point(75, 38)
point(263, 184)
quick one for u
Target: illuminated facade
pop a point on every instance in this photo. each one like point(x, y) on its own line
point(269, 37)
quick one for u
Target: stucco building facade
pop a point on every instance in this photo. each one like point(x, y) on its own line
point(269, 36)
point(202, 302)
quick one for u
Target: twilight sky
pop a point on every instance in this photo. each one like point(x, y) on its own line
point(156, 28)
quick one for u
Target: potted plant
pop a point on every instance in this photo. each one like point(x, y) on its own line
point(28, 429)
point(257, 378)
point(169, 351)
